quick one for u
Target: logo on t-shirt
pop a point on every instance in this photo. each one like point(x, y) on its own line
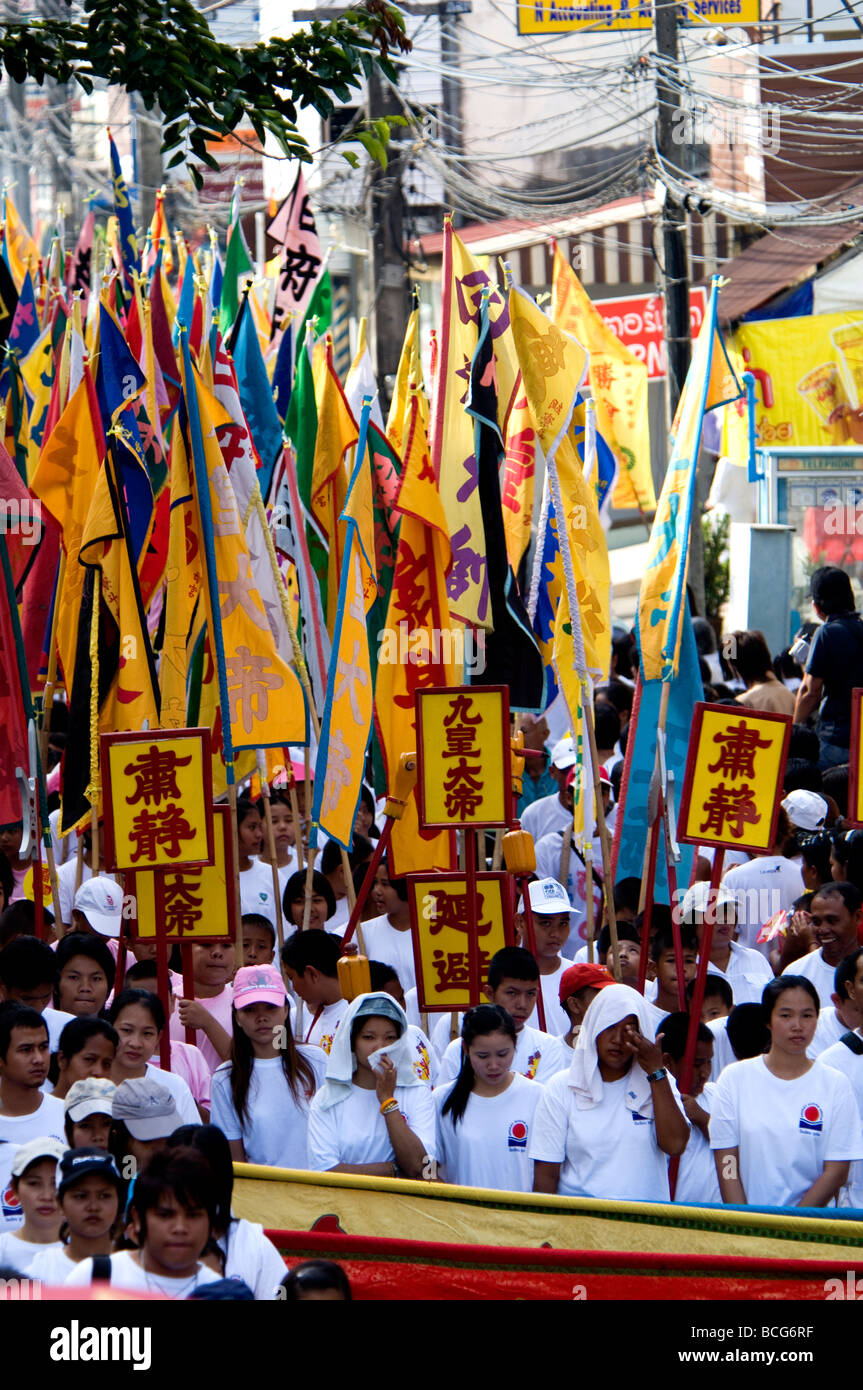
point(11, 1203)
point(639, 1119)
point(517, 1135)
point(811, 1119)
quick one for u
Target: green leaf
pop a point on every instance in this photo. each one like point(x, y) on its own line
point(352, 159)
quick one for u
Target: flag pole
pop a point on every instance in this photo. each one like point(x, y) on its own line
point(261, 758)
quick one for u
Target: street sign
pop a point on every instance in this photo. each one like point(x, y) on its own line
point(549, 17)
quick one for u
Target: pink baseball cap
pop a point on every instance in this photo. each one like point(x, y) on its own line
point(258, 984)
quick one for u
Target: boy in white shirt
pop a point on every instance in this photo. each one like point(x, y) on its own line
point(389, 936)
point(552, 923)
point(696, 1175)
point(841, 1015)
point(310, 968)
point(746, 970)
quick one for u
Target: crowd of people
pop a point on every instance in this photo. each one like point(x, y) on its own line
point(571, 1079)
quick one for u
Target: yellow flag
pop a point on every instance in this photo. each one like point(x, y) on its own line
point(21, 250)
point(37, 370)
point(337, 433)
point(65, 481)
point(452, 431)
point(619, 385)
point(408, 374)
point(347, 718)
point(710, 382)
point(266, 705)
point(553, 366)
point(417, 648)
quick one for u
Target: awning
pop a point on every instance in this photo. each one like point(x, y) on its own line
point(777, 261)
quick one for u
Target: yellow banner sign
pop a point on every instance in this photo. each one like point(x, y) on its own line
point(733, 781)
point(440, 922)
point(158, 802)
point(464, 775)
point(192, 902)
point(809, 382)
point(552, 17)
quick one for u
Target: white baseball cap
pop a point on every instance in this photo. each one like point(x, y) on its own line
point(805, 810)
point(548, 897)
point(696, 899)
point(563, 754)
point(34, 1151)
point(92, 1095)
point(101, 902)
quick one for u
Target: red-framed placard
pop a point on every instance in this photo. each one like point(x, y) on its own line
point(158, 799)
point(855, 781)
point(440, 927)
point(732, 785)
point(463, 751)
point(195, 902)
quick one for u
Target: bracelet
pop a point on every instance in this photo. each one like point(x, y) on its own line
point(389, 1106)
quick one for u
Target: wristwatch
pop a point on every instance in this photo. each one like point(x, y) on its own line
point(658, 1075)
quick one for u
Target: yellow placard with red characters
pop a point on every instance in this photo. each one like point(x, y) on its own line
point(440, 923)
point(464, 756)
point(193, 902)
point(158, 799)
point(732, 786)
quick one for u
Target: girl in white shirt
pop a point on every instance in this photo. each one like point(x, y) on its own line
point(139, 1020)
point(246, 1252)
point(783, 1128)
point(260, 1099)
point(34, 1184)
point(374, 1115)
point(485, 1116)
point(604, 1127)
point(88, 1189)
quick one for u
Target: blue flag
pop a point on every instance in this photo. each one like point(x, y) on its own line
point(119, 383)
point(123, 211)
point(686, 690)
point(256, 397)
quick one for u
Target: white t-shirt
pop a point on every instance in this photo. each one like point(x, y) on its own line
point(723, 1052)
point(338, 922)
point(764, 886)
point(355, 1131)
point(696, 1177)
point(53, 1266)
point(275, 1131)
point(252, 1257)
point(47, 1119)
point(412, 1008)
point(544, 816)
point(815, 968)
point(830, 1029)
point(538, 1056)
point(850, 1064)
point(556, 1020)
point(256, 891)
point(489, 1145)
point(66, 846)
point(605, 1151)
point(19, 1254)
point(126, 1273)
point(386, 944)
point(11, 1215)
point(56, 1021)
point(748, 972)
point(320, 1030)
point(548, 859)
point(785, 1130)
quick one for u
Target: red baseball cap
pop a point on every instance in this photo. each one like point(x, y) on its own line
point(583, 977)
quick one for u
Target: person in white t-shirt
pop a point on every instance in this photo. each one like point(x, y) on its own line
point(552, 813)
point(389, 937)
point(768, 884)
point(89, 1108)
point(285, 837)
point(261, 1097)
point(310, 965)
point(333, 870)
point(696, 1174)
point(385, 980)
point(34, 1183)
point(187, 1060)
point(746, 970)
point(322, 902)
point(89, 1190)
point(247, 1253)
point(663, 961)
point(606, 1127)
point(28, 973)
point(87, 1048)
point(373, 1115)
point(139, 1020)
point(171, 1210)
point(841, 1015)
point(259, 939)
point(836, 916)
point(25, 1111)
point(552, 923)
point(846, 1055)
point(512, 984)
point(784, 1129)
point(485, 1116)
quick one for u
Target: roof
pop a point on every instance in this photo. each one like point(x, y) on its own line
point(494, 238)
point(777, 262)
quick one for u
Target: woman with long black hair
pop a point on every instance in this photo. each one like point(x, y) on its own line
point(484, 1117)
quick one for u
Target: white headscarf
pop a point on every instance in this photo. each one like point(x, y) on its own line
point(341, 1063)
point(610, 1006)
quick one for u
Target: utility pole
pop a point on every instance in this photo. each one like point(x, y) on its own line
point(389, 291)
point(678, 345)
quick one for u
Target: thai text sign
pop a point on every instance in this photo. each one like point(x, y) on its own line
point(440, 922)
point(639, 322)
point(158, 799)
point(733, 781)
point(464, 756)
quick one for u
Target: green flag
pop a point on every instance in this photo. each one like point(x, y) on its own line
point(237, 262)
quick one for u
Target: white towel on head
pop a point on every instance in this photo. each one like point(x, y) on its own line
point(610, 1006)
point(341, 1063)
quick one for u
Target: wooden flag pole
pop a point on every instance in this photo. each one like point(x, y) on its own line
point(271, 846)
point(235, 855)
point(588, 893)
point(604, 842)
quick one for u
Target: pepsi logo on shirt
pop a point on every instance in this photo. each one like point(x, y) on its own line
point(811, 1119)
point(11, 1203)
point(517, 1135)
